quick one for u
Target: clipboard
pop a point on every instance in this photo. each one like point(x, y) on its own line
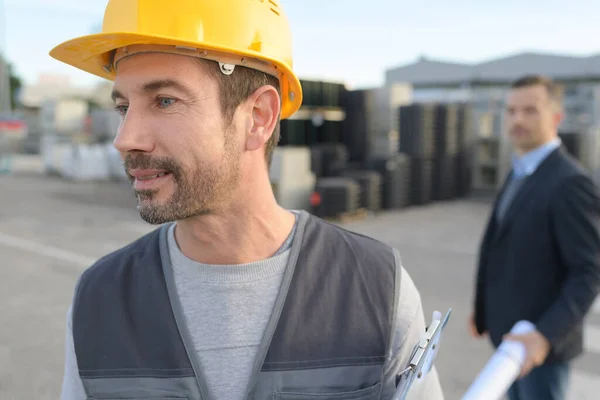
point(423, 356)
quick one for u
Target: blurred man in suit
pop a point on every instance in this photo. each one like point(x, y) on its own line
point(540, 256)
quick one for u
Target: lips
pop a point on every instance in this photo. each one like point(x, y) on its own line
point(148, 177)
point(518, 131)
point(147, 174)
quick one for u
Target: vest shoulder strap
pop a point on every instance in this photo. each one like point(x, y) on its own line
point(341, 296)
point(126, 294)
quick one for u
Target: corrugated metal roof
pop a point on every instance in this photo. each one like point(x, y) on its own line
point(501, 69)
point(425, 71)
point(594, 63)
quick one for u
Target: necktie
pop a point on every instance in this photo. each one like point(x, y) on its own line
point(509, 193)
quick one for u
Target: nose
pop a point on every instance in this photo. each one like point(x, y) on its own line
point(519, 116)
point(134, 134)
point(515, 117)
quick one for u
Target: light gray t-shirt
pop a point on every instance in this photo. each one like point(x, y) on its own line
point(227, 307)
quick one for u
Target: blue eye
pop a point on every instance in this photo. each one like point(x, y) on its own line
point(165, 102)
point(121, 109)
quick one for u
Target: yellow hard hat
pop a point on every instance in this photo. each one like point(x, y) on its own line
point(252, 33)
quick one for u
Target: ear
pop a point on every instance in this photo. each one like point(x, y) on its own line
point(265, 107)
point(558, 117)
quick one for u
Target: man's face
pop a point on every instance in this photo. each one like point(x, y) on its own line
point(182, 159)
point(532, 117)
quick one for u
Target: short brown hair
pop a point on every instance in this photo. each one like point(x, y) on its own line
point(555, 91)
point(234, 89)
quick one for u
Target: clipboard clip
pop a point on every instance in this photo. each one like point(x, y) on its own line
point(424, 354)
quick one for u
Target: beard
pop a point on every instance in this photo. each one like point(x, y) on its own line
point(197, 191)
point(519, 130)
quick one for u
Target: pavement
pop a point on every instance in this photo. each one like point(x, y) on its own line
point(52, 229)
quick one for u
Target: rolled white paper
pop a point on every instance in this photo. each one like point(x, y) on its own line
point(502, 369)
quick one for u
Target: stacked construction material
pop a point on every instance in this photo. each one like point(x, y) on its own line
point(367, 126)
point(464, 156)
point(308, 132)
point(395, 178)
point(444, 178)
point(316, 160)
point(421, 180)
point(293, 133)
point(417, 130)
point(328, 159)
point(355, 133)
point(417, 123)
point(291, 178)
point(370, 187)
point(319, 120)
point(446, 149)
point(334, 196)
point(321, 93)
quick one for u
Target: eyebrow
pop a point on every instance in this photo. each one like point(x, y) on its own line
point(154, 86)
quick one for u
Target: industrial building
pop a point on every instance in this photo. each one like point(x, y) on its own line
point(484, 85)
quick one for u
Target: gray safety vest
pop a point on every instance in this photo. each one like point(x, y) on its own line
point(327, 338)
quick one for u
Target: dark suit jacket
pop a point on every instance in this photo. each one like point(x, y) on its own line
point(542, 261)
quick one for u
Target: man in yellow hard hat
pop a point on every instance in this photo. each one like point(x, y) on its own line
point(232, 297)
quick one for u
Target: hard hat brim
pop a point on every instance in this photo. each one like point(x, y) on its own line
point(91, 53)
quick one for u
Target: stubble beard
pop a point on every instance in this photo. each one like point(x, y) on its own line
point(196, 192)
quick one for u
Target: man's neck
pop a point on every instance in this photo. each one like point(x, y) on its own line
point(238, 235)
point(522, 151)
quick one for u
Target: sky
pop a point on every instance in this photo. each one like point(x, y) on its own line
point(348, 41)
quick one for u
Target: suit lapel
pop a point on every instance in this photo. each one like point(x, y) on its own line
point(492, 224)
point(501, 193)
point(524, 194)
